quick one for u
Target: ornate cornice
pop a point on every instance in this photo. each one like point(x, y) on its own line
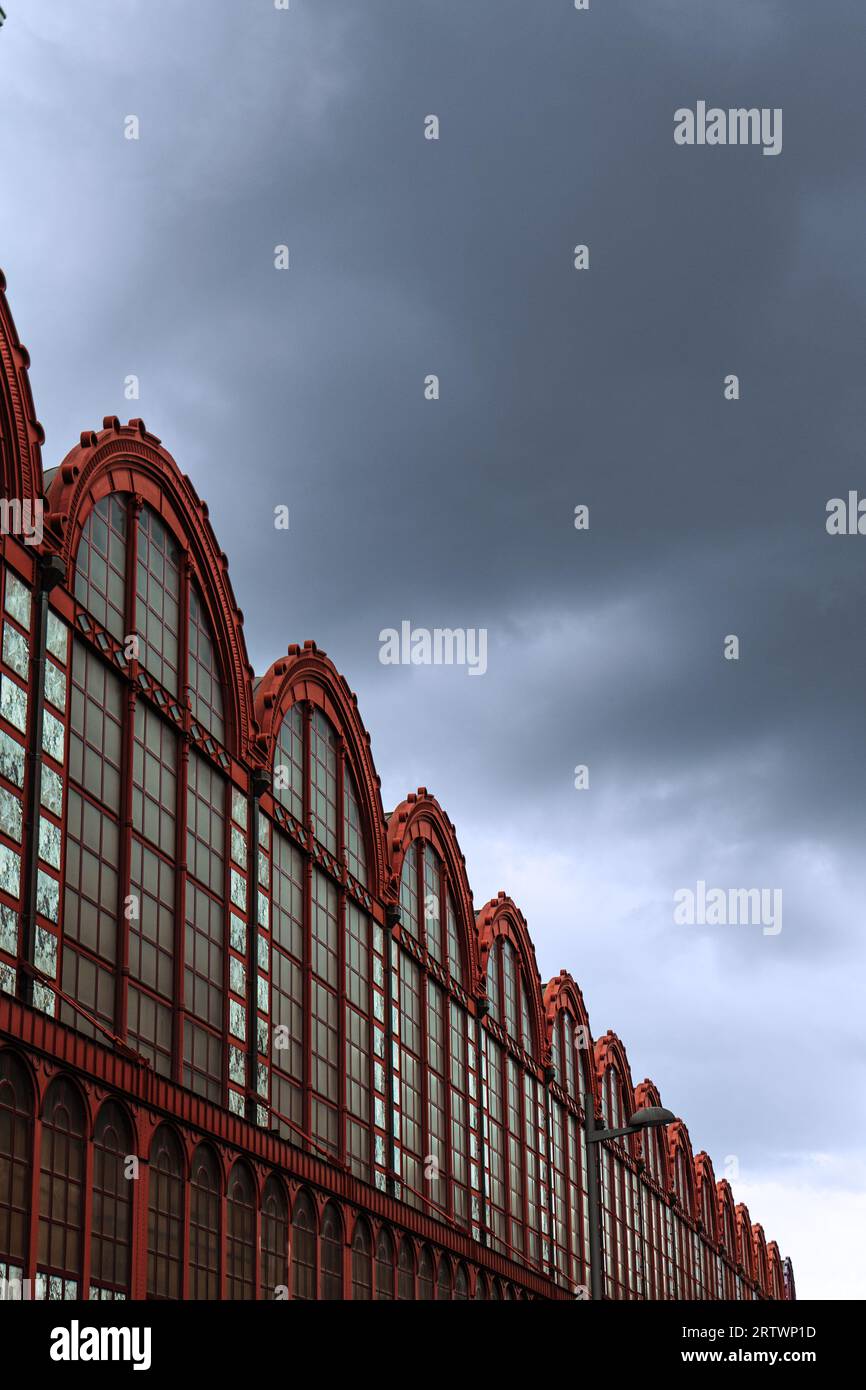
point(21, 435)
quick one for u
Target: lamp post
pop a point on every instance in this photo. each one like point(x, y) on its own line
point(648, 1117)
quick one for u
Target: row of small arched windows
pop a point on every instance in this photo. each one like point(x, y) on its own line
point(272, 1252)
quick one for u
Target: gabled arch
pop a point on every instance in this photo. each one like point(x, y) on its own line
point(744, 1239)
point(564, 993)
point(420, 817)
point(308, 674)
point(776, 1271)
point(760, 1260)
point(21, 435)
point(129, 459)
point(707, 1206)
point(502, 918)
point(680, 1146)
point(653, 1145)
point(610, 1052)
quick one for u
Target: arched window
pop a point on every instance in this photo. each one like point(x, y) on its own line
point(384, 1265)
point(93, 839)
point(275, 1240)
point(289, 763)
point(729, 1236)
point(61, 1214)
point(493, 983)
point(455, 950)
point(331, 936)
point(410, 913)
point(204, 1226)
point(362, 1262)
point(619, 1196)
point(406, 1273)
point(684, 1245)
point(121, 897)
point(760, 1263)
point(303, 1248)
point(16, 1150)
point(482, 1288)
point(111, 1218)
point(356, 854)
point(157, 593)
point(745, 1244)
point(461, 1283)
point(515, 1155)
point(511, 986)
point(204, 986)
point(100, 570)
point(683, 1180)
point(359, 1035)
point(165, 1217)
point(432, 903)
point(432, 1028)
point(241, 1234)
point(576, 1048)
point(427, 907)
point(324, 759)
point(443, 1280)
point(426, 1275)
point(411, 995)
point(653, 1151)
point(707, 1209)
point(205, 684)
point(332, 1253)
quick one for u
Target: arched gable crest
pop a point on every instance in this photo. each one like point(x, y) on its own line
point(760, 1260)
point(744, 1238)
point(563, 992)
point(645, 1095)
point(420, 816)
point(307, 673)
point(706, 1193)
point(129, 459)
point(679, 1142)
point(501, 917)
point(610, 1052)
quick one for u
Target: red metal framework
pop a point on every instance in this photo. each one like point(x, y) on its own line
point(255, 1041)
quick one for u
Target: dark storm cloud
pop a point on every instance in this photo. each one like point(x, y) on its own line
point(707, 517)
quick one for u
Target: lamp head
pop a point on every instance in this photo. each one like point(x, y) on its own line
point(651, 1115)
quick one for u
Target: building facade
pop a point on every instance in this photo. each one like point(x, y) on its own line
point(255, 1039)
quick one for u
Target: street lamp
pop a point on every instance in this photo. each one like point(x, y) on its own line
point(649, 1117)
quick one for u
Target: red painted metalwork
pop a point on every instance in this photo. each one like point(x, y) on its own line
point(291, 1209)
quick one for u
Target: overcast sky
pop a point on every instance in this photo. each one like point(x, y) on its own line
point(601, 387)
